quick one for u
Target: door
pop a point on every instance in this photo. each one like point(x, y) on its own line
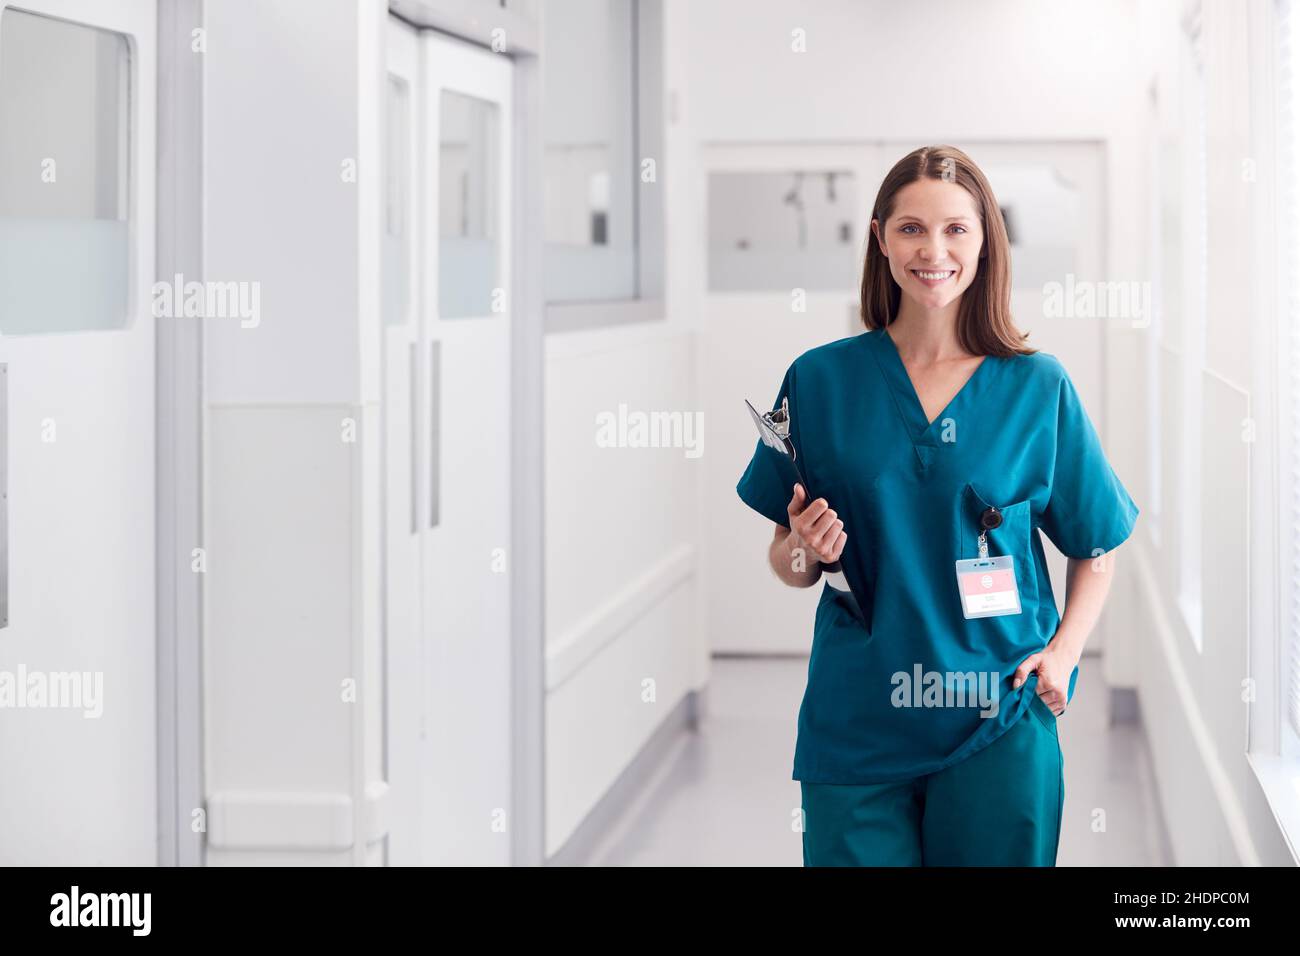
point(466, 342)
point(447, 427)
point(77, 551)
point(403, 446)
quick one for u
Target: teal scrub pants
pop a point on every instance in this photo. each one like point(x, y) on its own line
point(1001, 806)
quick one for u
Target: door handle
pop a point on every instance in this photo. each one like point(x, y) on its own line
point(435, 430)
point(4, 494)
point(413, 387)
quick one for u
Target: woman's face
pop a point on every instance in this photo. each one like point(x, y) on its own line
point(932, 241)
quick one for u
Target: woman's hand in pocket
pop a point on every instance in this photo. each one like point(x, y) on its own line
point(1054, 668)
point(815, 527)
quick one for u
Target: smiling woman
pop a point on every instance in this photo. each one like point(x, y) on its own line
point(918, 431)
point(939, 233)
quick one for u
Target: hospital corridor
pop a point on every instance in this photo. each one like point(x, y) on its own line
point(650, 433)
point(714, 799)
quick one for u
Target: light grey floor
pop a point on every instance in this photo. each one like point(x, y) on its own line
point(725, 798)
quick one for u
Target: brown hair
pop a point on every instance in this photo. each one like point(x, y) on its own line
point(984, 322)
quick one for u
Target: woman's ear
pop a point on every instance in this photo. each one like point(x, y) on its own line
point(880, 243)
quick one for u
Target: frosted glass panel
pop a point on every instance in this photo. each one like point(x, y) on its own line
point(62, 274)
point(63, 176)
point(467, 206)
point(472, 264)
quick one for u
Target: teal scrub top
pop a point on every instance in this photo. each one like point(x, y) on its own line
point(900, 697)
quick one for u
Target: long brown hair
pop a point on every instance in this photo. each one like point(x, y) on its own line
point(984, 322)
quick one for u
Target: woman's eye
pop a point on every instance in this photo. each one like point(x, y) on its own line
point(912, 228)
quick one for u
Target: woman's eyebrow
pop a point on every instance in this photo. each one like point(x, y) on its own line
point(949, 219)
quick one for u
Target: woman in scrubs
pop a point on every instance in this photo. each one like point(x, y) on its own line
point(938, 444)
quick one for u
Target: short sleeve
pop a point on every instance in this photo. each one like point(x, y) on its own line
point(1089, 511)
point(768, 482)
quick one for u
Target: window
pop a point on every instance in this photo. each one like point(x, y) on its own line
point(602, 203)
point(1042, 210)
point(1195, 288)
point(467, 208)
point(1159, 206)
point(778, 231)
point(64, 164)
point(1288, 274)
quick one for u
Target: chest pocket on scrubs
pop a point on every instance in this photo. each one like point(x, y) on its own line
point(1012, 537)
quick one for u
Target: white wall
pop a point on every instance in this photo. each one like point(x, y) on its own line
point(953, 71)
point(292, 91)
point(621, 562)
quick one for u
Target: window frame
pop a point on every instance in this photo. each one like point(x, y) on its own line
point(1285, 336)
point(1154, 356)
point(1193, 96)
point(647, 304)
point(1273, 747)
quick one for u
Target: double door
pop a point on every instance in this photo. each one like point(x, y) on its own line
point(446, 412)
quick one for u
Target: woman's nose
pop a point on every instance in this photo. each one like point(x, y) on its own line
point(934, 249)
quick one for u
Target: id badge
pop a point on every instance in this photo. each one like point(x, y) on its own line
point(987, 586)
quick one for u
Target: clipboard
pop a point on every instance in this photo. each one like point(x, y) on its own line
point(774, 431)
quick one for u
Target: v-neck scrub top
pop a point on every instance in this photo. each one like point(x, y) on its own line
point(897, 698)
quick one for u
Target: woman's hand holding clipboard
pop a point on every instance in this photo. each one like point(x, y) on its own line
point(819, 527)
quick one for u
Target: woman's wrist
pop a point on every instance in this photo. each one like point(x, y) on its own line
point(800, 567)
point(1068, 643)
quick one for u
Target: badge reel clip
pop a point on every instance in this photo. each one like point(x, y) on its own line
point(987, 586)
point(774, 430)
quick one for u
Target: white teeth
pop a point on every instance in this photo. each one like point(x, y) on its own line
point(932, 275)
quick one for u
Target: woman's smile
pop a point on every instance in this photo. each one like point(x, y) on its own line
point(933, 278)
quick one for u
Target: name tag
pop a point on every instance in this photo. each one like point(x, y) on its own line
point(987, 586)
